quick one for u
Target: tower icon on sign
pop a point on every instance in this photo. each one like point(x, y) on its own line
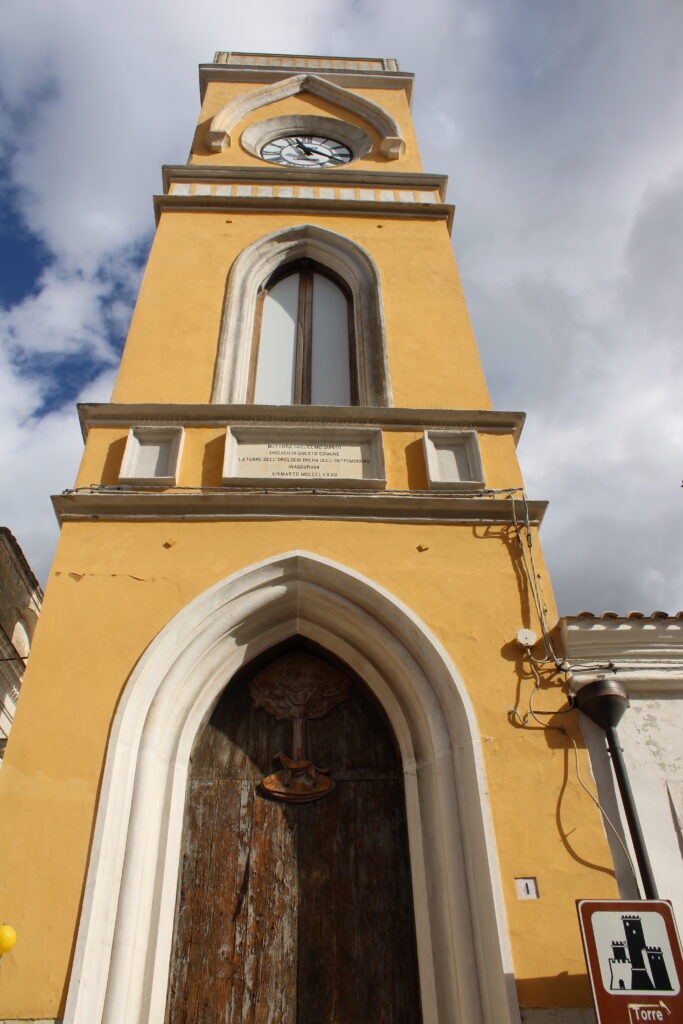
point(635, 966)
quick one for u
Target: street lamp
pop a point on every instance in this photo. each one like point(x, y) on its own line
point(604, 702)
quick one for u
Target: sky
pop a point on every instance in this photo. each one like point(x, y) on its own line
point(559, 126)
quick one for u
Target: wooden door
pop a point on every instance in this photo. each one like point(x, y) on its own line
point(294, 913)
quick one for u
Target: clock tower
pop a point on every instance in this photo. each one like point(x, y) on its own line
point(268, 763)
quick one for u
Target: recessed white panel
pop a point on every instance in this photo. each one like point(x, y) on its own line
point(152, 455)
point(452, 462)
point(154, 458)
point(453, 459)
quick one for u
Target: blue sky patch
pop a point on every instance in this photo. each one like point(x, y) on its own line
point(22, 256)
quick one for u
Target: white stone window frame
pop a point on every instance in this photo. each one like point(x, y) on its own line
point(370, 437)
point(256, 264)
point(468, 442)
point(137, 436)
point(256, 136)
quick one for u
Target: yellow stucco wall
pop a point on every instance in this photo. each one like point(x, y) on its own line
point(171, 350)
point(115, 585)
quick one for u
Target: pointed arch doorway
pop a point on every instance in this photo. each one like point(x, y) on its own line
point(121, 962)
point(295, 907)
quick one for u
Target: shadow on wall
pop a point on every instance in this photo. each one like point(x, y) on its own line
point(415, 464)
point(212, 463)
point(551, 992)
point(112, 463)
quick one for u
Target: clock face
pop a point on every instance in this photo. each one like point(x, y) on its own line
point(306, 151)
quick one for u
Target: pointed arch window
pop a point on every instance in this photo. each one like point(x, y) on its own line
point(260, 266)
point(304, 351)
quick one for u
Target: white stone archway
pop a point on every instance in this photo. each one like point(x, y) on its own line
point(121, 964)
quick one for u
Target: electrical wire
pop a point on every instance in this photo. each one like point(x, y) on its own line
point(602, 810)
point(532, 713)
point(531, 574)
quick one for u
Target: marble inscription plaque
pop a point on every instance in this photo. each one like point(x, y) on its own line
point(320, 461)
point(286, 456)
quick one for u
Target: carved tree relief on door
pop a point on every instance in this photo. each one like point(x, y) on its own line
point(291, 910)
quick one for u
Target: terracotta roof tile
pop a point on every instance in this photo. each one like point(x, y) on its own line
point(630, 615)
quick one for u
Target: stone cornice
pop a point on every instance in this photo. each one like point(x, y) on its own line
point(339, 76)
point(354, 208)
point(645, 654)
point(231, 503)
point(288, 175)
point(108, 414)
point(305, 61)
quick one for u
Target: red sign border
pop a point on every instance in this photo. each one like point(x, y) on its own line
point(612, 1002)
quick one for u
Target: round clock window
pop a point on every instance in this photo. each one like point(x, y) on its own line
point(306, 151)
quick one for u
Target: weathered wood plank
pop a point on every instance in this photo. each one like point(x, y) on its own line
point(294, 914)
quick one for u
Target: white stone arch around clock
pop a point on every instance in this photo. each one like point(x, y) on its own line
point(121, 963)
point(392, 144)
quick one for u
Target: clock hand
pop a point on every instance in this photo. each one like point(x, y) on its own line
point(325, 153)
point(332, 159)
point(304, 149)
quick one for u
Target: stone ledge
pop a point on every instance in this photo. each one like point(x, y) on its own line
point(346, 77)
point(353, 207)
point(229, 503)
point(110, 414)
point(416, 180)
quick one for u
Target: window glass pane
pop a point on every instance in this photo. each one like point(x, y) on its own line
point(330, 371)
point(277, 347)
point(154, 458)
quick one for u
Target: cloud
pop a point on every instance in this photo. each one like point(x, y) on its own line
point(559, 127)
point(38, 457)
point(63, 315)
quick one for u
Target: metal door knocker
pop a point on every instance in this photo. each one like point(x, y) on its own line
point(298, 687)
